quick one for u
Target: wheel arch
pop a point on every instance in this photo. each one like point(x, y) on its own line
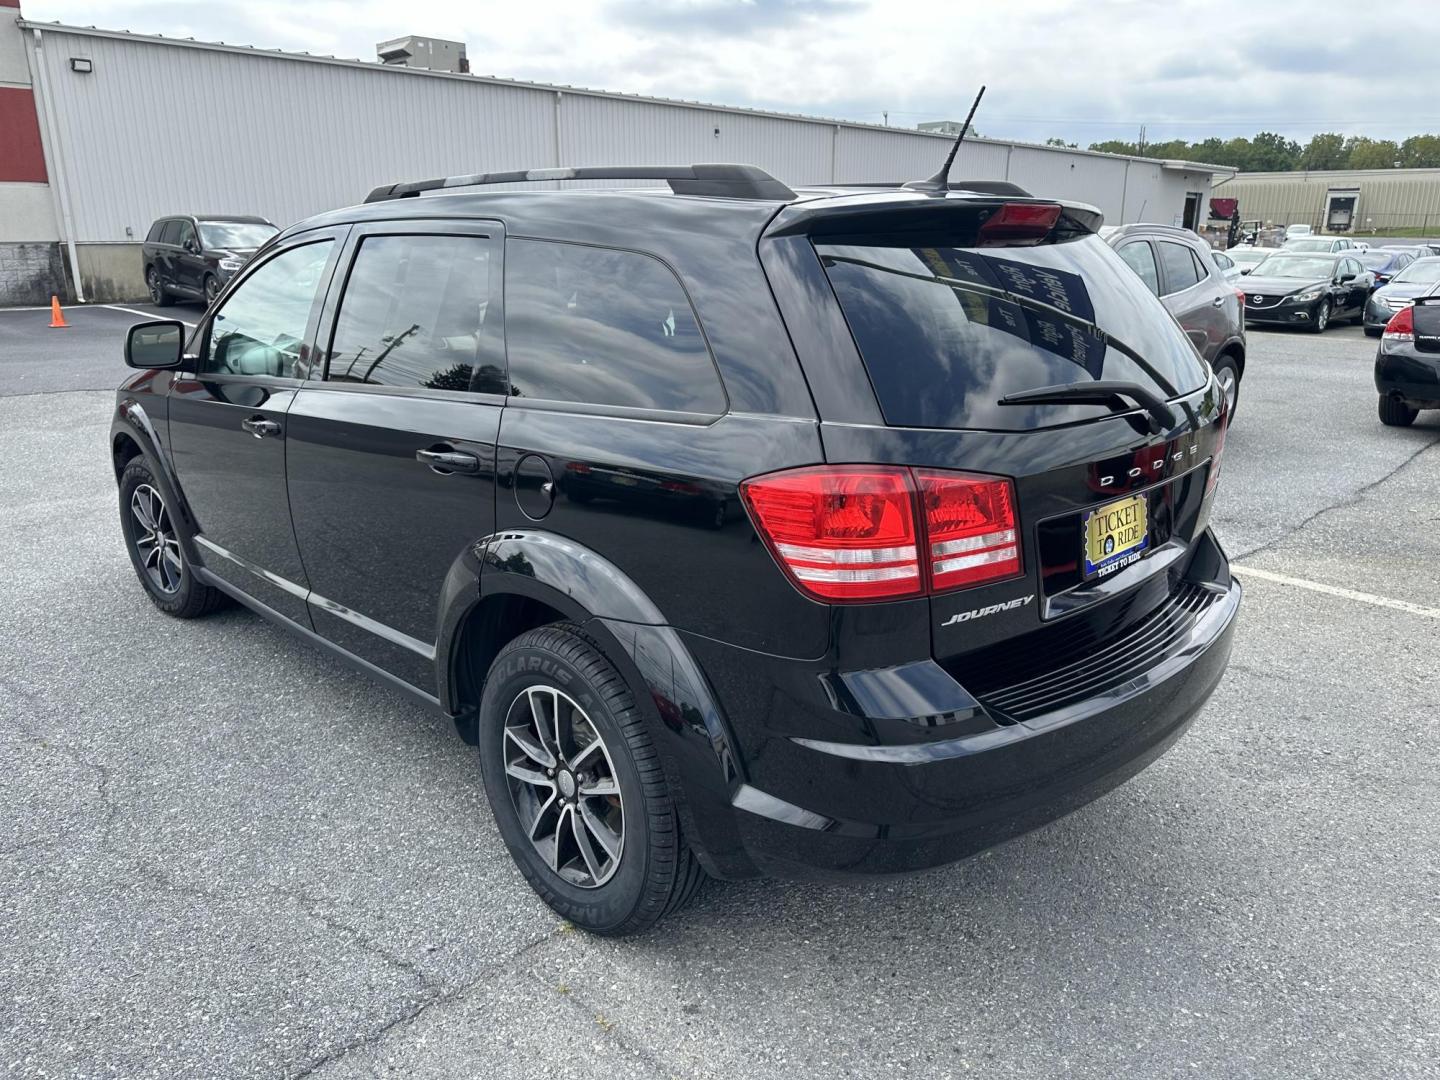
point(517, 580)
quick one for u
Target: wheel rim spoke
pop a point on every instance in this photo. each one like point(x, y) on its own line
point(603, 834)
point(599, 788)
point(540, 814)
point(533, 777)
point(530, 747)
point(582, 841)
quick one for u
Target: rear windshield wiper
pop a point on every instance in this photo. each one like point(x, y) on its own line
point(1101, 392)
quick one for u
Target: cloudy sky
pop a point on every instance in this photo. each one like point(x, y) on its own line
point(1085, 70)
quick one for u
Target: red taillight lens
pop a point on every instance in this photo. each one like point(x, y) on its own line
point(1401, 326)
point(1018, 223)
point(850, 532)
point(1222, 425)
point(970, 528)
point(1240, 295)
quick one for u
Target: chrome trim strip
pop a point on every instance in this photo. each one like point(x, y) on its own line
point(379, 629)
point(340, 611)
point(245, 564)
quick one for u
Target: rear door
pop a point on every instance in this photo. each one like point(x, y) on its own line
point(1195, 296)
point(1109, 510)
point(228, 420)
point(391, 455)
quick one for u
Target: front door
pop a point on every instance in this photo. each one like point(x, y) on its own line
point(391, 457)
point(189, 263)
point(228, 417)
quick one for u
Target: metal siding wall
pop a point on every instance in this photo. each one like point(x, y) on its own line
point(139, 141)
point(1300, 197)
point(139, 138)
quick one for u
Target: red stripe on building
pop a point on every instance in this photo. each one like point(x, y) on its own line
point(21, 157)
point(10, 3)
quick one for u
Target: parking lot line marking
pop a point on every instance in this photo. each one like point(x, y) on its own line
point(142, 314)
point(1336, 590)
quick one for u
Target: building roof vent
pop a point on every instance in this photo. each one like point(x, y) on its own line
point(431, 54)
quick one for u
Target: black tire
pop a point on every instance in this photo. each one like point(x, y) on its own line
point(1395, 413)
point(655, 872)
point(158, 296)
point(189, 598)
point(1226, 365)
point(1321, 319)
point(212, 289)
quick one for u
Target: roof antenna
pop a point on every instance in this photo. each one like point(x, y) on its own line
point(940, 182)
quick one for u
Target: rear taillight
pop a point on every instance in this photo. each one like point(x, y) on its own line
point(970, 528)
point(1401, 326)
point(1222, 425)
point(1018, 223)
point(846, 533)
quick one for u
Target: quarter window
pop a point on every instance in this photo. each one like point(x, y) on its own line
point(421, 311)
point(260, 330)
point(171, 235)
point(604, 327)
point(1141, 259)
point(1180, 270)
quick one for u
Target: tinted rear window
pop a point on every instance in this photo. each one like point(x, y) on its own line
point(941, 353)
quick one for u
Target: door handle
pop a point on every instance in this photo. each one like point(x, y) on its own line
point(1218, 301)
point(446, 462)
point(260, 427)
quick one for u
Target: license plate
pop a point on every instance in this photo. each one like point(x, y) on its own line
point(1116, 535)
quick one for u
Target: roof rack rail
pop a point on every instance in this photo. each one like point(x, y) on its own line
point(718, 181)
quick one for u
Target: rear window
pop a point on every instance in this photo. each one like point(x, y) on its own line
point(945, 332)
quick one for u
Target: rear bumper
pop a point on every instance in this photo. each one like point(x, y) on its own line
point(1409, 374)
point(808, 812)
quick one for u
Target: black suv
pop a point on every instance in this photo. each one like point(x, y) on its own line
point(746, 530)
point(193, 257)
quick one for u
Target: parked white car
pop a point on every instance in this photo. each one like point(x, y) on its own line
point(1292, 231)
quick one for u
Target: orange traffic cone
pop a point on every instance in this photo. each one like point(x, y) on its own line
point(57, 317)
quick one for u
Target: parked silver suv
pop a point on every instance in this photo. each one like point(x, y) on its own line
point(1177, 266)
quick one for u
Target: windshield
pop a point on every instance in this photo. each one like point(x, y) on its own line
point(1249, 256)
point(231, 235)
point(1308, 245)
point(945, 332)
point(1296, 266)
point(1420, 272)
point(1374, 260)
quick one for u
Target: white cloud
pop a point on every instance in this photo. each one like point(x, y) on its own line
point(1082, 70)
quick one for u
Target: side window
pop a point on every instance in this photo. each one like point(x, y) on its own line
point(171, 235)
point(1222, 260)
point(604, 327)
point(1141, 258)
point(261, 327)
point(418, 311)
point(1350, 266)
point(1201, 269)
point(1179, 263)
point(153, 236)
point(187, 234)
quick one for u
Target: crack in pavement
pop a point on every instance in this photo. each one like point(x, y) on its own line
point(1352, 499)
point(435, 997)
point(609, 1029)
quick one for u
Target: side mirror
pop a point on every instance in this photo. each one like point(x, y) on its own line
point(1346, 277)
point(159, 344)
point(1247, 269)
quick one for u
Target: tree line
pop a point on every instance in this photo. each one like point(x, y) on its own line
point(1269, 152)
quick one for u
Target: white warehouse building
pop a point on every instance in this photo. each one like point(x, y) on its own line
point(128, 128)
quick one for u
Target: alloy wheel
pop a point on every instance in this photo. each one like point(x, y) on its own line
point(1228, 386)
point(1322, 317)
point(563, 785)
point(153, 280)
point(155, 539)
point(212, 290)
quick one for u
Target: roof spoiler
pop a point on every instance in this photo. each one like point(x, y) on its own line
point(979, 187)
point(716, 181)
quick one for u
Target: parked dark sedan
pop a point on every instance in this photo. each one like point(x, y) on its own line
point(192, 257)
point(1407, 365)
point(1293, 289)
point(1415, 280)
point(1384, 263)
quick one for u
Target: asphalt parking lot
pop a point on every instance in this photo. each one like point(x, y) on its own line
point(224, 855)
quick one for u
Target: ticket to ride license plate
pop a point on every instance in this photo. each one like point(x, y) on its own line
point(1116, 535)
